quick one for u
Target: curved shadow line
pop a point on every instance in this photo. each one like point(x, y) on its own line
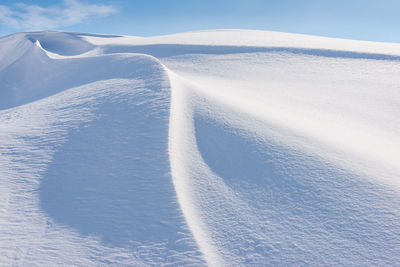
point(168, 50)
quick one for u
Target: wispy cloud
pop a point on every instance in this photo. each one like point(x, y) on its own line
point(33, 17)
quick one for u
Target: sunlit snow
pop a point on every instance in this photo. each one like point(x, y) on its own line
point(218, 148)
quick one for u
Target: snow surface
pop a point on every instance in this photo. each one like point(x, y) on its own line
point(218, 148)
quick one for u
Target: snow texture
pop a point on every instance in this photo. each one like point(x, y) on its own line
point(211, 148)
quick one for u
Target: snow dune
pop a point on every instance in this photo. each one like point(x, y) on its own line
point(218, 148)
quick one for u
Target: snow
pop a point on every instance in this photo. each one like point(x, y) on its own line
point(218, 148)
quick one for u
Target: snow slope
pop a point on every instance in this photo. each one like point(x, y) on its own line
point(218, 148)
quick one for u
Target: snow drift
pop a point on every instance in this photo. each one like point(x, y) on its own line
point(218, 148)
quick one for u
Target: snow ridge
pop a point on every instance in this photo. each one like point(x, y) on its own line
point(218, 148)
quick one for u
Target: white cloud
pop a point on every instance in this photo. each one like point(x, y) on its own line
point(33, 17)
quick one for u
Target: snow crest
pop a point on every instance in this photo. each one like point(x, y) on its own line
point(218, 148)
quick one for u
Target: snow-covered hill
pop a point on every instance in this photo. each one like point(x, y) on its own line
point(218, 148)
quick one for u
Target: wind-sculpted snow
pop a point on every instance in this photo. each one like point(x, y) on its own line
point(220, 148)
point(169, 50)
point(35, 75)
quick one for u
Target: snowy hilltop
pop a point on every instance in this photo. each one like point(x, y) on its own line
point(209, 148)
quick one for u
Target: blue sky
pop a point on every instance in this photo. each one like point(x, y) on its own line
point(377, 20)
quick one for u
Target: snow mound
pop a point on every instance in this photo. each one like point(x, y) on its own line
point(218, 148)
